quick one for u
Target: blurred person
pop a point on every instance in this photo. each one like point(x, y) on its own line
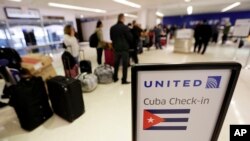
point(145, 36)
point(130, 26)
point(121, 38)
point(215, 33)
point(140, 44)
point(226, 32)
point(206, 33)
point(101, 43)
point(136, 32)
point(157, 32)
point(151, 38)
point(71, 42)
point(173, 28)
point(197, 36)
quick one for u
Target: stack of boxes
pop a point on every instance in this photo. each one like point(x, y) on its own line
point(39, 65)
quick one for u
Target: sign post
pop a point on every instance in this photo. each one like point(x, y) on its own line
point(242, 30)
point(181, 102)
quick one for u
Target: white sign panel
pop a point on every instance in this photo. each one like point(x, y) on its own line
point(242, 28)
point(19, 13)
point(184, 33)
point(179, 105)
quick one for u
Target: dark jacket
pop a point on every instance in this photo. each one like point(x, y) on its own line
point(206, 32)
point(136, 32)
point(197, 32)
point(121, 37)
point(157, 32)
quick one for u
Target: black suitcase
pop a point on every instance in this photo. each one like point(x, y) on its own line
point(70, 65)
point(30, 101)
point(85, 66)
point(66, 97)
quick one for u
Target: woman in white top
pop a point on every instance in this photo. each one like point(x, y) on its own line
point(101, 43)
point(70, 41)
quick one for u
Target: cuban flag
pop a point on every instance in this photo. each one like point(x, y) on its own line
point(165, 119)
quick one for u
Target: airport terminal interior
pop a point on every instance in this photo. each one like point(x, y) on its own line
point(36, 29)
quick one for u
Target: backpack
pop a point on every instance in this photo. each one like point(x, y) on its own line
point(93, 40)
point(12, 56)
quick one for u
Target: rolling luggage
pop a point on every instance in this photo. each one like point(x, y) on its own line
point(70, 65)
point(12, 56)
point(163, 41)
point(10, 75)
point(30, 101)
point(104, 74)
point(88, 81)
point(109, 57)
point(66, 97)
point(85, 65)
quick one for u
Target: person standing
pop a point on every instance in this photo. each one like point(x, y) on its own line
point(101, 43)
point(226, 32)
point(157, 32)
point(215, 33)
point(136, 32)
point(121, 38)
point(197, 36)
point(206, 33)
point(71, 42)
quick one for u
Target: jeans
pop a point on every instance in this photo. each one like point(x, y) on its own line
point(124, 56)
point(158, 42)
point(99, 55)
point(133, 55)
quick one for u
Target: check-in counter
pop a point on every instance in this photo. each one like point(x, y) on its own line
point(184, 41)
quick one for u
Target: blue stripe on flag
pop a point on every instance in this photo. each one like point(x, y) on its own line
point(175, 120)
point(167, 128)
point(169, 111)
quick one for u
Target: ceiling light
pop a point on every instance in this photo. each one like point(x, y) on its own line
point(159, 14)
point(16, 0)
point(76, 7)
point(230, 6)
point(187, 0)
point(128, 3)
point(189, 10)
point(130, 15)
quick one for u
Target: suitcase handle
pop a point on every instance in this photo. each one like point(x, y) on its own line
point(81, 54)
point(84, 75)
point(107, 66)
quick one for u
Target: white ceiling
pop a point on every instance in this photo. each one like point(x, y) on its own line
point(168, 7)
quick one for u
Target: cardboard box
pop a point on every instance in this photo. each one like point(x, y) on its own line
point(35, 62)
point(47, 73)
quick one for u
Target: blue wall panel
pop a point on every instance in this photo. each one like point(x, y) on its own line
point(212, 18)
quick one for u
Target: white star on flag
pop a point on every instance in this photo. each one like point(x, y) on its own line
point(151, 120)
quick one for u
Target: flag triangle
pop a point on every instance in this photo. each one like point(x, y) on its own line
point(150, 119)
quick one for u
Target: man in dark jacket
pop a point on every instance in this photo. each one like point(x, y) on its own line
point(157, 31)
point(197, 36)
point(206, 33)
point(121, 38)
point(136, 32)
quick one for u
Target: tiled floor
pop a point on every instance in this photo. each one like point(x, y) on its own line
point(108, 108)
